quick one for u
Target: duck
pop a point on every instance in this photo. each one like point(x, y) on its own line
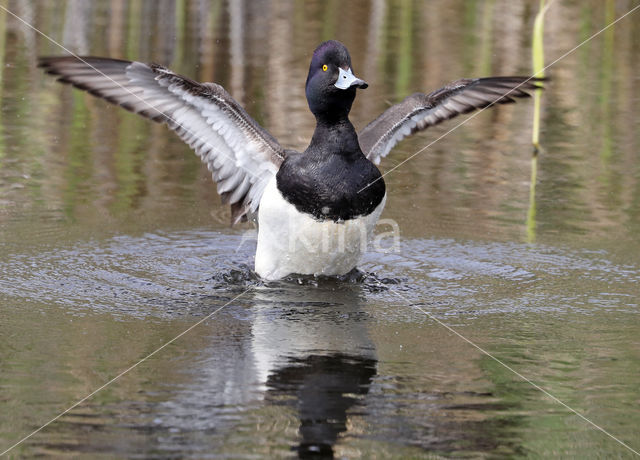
point(315, 210)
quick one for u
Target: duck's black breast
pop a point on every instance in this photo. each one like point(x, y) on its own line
point(331, 180)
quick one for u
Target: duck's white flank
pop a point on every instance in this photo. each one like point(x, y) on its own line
point(293, 242)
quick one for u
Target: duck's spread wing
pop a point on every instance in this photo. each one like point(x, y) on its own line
point(240, 154)
point(419, 111)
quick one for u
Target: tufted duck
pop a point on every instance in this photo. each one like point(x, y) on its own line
point(315, 209)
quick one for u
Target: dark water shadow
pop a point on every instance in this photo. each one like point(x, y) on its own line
point(322, 389)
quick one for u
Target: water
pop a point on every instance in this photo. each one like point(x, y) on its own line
point(113, 242)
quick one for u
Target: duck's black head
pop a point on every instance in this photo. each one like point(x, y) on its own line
point(331, 85)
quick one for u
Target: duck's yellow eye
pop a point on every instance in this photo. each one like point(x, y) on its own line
point(324, 68)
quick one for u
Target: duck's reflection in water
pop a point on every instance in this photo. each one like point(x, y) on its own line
point(323, 389)
point(314, 355)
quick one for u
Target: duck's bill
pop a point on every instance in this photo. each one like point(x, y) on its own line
point(346, 79)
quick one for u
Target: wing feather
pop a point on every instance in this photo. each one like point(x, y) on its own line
point(420, 111)
point(241, 155)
